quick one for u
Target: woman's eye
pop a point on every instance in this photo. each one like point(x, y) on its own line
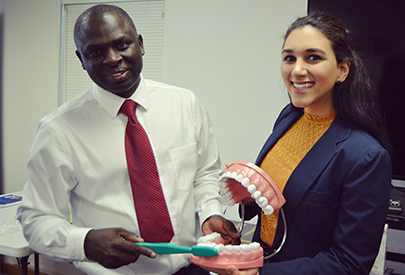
point(289, 58)
point(314, 57)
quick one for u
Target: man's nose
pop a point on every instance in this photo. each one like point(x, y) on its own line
point(112, 57)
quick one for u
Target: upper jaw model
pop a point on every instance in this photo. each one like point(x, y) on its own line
point(241, 180)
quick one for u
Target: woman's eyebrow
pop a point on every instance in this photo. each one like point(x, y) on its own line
point(315, 51)
point(311, 50)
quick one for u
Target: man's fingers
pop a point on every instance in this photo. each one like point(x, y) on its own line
point(133, 248)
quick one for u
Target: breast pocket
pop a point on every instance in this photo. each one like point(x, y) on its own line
point(321, 213)
point(184, 161)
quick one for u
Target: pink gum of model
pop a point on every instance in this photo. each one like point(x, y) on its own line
point(236, 257)
point(244, 180)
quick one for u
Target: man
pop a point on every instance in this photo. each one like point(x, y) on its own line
point(79, 158)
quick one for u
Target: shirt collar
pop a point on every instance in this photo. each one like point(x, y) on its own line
point(112, 103)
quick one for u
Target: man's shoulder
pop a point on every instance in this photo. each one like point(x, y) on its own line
point(73, 105)
point(156, 85)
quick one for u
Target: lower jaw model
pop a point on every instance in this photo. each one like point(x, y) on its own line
point(242, 256)
point(241, 180)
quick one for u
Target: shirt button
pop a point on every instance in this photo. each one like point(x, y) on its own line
point(74, 254)
point(52, 252)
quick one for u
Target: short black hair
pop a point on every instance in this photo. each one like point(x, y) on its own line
point(98, 11)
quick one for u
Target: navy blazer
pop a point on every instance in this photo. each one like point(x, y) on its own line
point(336, 202)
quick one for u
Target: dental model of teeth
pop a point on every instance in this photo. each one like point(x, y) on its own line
point(242, 256)
point(243, 180)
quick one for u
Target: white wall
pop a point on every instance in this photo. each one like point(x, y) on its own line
point(30, 79)
point(227, 52)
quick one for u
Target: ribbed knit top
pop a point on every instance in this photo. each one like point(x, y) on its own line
point(286, 154)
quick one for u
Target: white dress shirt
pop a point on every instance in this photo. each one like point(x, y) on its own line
point(78, 157)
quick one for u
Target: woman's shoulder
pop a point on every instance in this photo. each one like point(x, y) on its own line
point(355, 140)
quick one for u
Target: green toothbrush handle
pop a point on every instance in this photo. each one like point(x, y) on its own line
point(166, 248)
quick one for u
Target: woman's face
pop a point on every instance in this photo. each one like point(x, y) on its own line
point(310, 70)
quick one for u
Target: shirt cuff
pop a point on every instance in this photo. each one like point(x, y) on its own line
point(75, 243)
point(210, 209)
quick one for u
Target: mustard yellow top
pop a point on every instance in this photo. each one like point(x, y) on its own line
point(286, 154)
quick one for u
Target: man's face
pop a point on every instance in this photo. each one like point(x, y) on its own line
point(111, 53)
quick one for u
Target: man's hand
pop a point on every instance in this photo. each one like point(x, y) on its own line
point(114, 247)
point(224, 227)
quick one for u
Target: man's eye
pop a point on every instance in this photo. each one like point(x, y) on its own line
point(94, 53)
point(123, 45)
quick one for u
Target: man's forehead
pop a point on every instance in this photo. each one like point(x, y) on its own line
point(105, 26)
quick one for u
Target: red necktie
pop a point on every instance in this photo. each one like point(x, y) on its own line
point(150, 205)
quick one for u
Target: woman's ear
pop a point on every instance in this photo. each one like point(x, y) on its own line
point(344, 67)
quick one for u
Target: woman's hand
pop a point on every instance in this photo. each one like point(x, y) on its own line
point(233, 270)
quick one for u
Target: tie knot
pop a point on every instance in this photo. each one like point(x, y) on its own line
point(128, 108)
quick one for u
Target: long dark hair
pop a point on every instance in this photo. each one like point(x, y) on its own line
point(354, 99)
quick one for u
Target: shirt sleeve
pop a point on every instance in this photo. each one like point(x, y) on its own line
point(44, 211)
point(208, 202)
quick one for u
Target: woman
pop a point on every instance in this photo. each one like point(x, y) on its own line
point(328, 154)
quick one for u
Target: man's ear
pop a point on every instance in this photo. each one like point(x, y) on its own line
point(80, 58)
point(140, 42)
point(344, 70)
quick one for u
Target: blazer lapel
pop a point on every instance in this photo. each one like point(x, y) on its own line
point(313, 164)
point(307, 171)
point(279, 131)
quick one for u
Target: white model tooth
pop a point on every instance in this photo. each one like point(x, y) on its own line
point(233, 175)
point(268, 210)
point(254, 246)
point(239, 178)
point(223, 190)
point(251, 188)
point(211, 237)
point(256, 195)
point(223, 184)
point(227, 195)
point(245, 248)
point(228, 248)
point(220, 247)
point(202, 239)
point(222, 178)
point(226, 175)
point(227, 198)
point(229, 202)
point(245, 182)
point(262, 202)
point(216, 236)
point(236, 248)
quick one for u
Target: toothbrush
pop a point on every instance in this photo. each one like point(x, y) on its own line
point(167, 248)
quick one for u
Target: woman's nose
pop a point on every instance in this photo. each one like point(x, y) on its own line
point(299, 69)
